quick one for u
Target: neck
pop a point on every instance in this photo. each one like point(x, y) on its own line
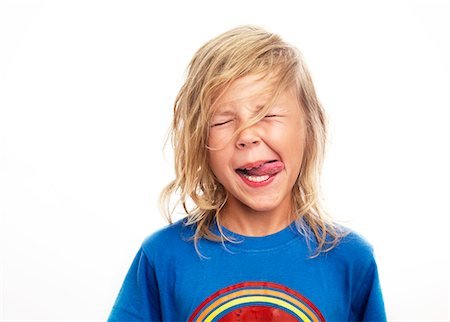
point(246, 221)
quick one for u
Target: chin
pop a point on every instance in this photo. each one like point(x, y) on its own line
point(263, 207)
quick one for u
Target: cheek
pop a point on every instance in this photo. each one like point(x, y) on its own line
point(212, 161)
point(218, 139)
point(295, 147)
point(217, 163)
point(214, 154)
point(212, 141)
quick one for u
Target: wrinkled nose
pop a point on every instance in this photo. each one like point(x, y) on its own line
point(247, 138)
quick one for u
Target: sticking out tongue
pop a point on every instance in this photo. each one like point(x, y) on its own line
point(268, 168)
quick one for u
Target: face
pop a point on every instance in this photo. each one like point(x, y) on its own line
point(259, 166)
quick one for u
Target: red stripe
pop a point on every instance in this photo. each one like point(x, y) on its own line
point(256, 284)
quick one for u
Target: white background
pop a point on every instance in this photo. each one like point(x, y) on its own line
point(86, 93)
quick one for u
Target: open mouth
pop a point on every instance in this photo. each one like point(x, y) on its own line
point(261, 171)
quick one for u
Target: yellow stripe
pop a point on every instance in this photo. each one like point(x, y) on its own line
point(252, 299)
point(228, 297)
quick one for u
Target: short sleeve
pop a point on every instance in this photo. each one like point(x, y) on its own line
point(368, 304)
point(138, 298)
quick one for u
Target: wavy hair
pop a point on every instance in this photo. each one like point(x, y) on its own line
point(236, 53)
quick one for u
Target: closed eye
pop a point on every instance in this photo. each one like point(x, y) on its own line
point(221, 123)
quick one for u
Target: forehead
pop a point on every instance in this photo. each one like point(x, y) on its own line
point(252, 88)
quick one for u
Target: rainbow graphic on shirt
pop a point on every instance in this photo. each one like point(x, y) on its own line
point(256, 301)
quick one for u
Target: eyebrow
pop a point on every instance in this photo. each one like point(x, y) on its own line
point(223, 113)
point(227, 112)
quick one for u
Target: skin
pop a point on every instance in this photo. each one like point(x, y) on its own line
point(262, 210)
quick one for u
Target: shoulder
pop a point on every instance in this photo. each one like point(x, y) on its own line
point(355, 243)
point(354, 250)
point(172, 237)
point(169, 232)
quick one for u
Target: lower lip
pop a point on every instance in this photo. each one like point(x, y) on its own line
point(257, 184)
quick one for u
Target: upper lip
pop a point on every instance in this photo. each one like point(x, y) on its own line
point(252, 165)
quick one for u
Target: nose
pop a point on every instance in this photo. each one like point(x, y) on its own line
point(248, 138)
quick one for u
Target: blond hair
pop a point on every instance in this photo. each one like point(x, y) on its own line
point(236, 53)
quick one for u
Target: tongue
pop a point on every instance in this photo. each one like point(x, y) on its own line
point(267, 169)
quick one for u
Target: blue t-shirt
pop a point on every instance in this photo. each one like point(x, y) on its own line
point(271, 278)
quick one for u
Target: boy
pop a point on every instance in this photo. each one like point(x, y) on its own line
point(249, 135)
